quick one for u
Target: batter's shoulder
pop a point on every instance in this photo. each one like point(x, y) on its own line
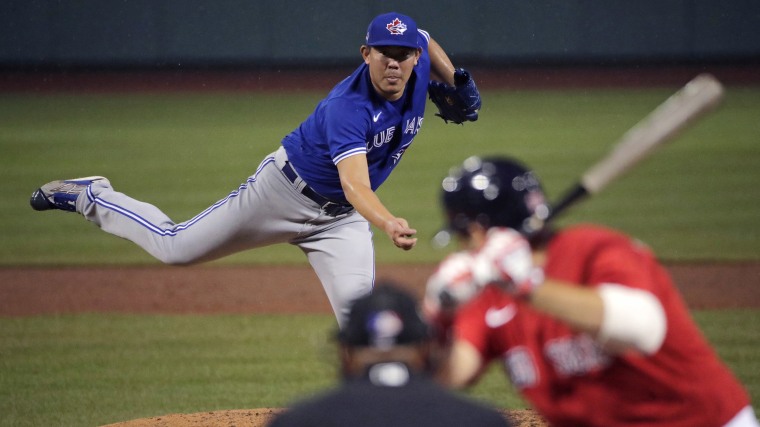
point(586, 238)
point(591, 232)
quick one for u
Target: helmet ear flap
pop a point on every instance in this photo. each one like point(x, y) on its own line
point(460, 223)
point(484, 220)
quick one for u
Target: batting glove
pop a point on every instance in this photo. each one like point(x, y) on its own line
point(506, 259)
point(450, 286)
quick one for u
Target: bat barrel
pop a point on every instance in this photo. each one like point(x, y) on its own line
point(694, 100)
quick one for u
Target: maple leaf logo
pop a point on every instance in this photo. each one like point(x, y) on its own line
point(396, 27)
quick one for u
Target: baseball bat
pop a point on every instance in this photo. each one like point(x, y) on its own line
point(698, 97)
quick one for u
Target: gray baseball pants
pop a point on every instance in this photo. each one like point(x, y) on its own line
point(267, 209)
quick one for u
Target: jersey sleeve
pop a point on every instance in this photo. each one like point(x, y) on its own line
point(593, 255)
point(623, 262)
point(346, 125)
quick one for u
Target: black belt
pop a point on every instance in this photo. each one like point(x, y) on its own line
point(328, 206)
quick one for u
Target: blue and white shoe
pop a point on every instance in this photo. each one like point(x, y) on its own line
point(61, 194)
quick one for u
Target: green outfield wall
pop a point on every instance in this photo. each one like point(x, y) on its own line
point(179, 33)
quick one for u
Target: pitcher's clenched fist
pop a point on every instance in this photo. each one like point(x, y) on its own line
point(399, 232)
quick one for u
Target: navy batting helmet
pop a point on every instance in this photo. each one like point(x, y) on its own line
point(494, 192)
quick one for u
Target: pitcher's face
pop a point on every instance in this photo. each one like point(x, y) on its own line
point(390, 68)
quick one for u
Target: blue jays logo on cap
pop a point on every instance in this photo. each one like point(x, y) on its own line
point(396, 27)
point(386, 318)
point(384, 328)
point(392, 29)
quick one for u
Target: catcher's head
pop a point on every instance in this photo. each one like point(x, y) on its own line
point(386, 318)
point(493, 192)
point(386, 337)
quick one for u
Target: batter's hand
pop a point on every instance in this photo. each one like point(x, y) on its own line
point(399, 232)
point(506, 259)
point(450, 286)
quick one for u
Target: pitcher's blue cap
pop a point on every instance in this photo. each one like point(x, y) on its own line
point(392, 29)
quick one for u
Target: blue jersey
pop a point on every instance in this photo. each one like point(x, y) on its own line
point(354, 119)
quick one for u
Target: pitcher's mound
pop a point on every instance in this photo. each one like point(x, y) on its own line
point(238, 418)
point(259, 418)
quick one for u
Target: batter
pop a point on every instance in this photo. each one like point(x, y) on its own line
point(316, 191)
point(585, 321)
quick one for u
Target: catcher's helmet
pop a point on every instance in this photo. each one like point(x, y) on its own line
point(494, 192)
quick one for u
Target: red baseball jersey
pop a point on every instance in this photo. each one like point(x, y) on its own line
point(568, 378)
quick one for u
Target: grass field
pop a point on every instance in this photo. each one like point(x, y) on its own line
point(697, 199)
point(89, 370)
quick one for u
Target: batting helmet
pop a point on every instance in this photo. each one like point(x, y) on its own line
point(494, 192)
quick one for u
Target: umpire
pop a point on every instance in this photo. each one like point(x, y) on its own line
point(385, 353)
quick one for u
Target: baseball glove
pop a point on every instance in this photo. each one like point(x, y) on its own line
point(457, 103)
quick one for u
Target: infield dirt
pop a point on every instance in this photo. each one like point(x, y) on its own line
point(26, 291)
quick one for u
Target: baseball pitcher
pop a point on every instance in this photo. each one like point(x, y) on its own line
point(316, 191)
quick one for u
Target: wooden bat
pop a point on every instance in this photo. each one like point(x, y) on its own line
point(693, 101)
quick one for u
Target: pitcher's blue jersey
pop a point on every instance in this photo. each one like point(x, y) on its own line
point(354, 119)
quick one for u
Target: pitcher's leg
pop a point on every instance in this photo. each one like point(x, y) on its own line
point(242, 220)
point(344, 260)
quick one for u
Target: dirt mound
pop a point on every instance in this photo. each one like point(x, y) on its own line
point(259, 417)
